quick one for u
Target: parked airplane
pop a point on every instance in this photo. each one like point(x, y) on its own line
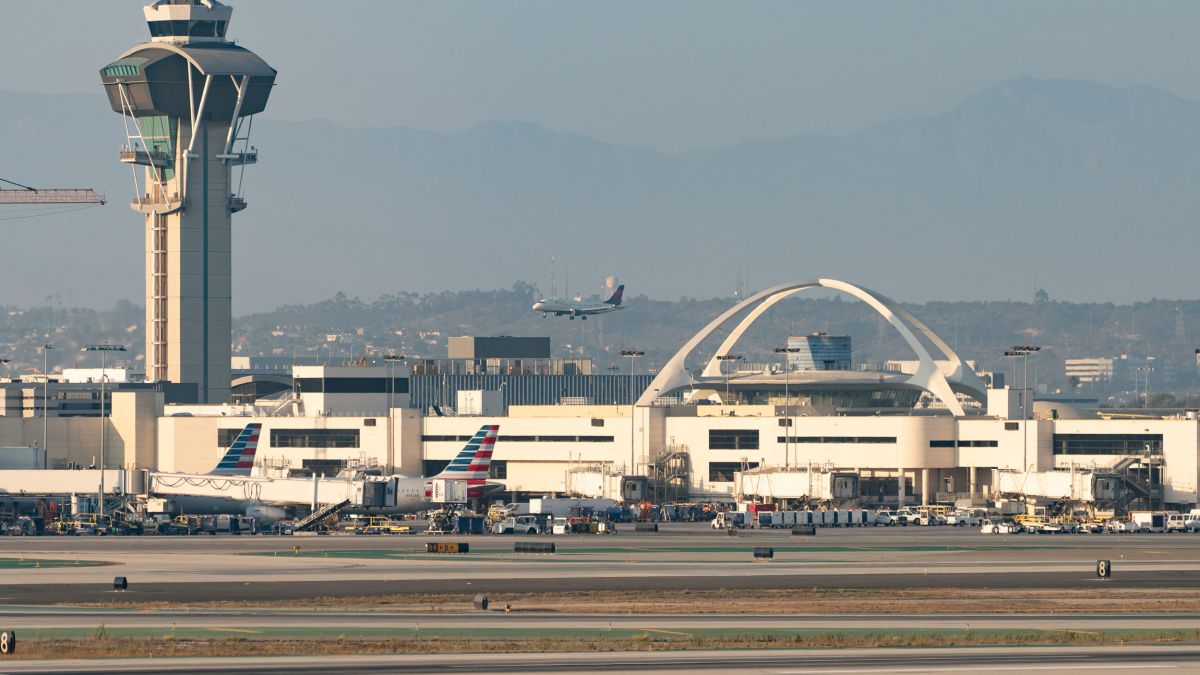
point(274, 498)
point(580, 309)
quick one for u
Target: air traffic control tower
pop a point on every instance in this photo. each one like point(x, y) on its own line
point(187, 98)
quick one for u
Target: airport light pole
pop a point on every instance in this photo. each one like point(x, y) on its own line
point(45, 401)
point(1145, 396)
point(728, 357)
point(391, 360)
point(632, 355)
point(787, 411)
point(104, 349)
point(1022, 352)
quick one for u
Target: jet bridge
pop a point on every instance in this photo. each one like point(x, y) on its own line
point(311, 492)
point(240, 491)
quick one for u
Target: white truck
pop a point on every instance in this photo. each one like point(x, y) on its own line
point(735, 520)
point(527, 524)
point(567, 507)
point(1150, 521)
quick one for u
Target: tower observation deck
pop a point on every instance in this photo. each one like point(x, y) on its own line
point(188, 97)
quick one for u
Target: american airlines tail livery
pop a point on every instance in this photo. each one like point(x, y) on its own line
point(239, 460)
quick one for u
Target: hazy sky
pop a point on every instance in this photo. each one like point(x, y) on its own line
point(676, 76)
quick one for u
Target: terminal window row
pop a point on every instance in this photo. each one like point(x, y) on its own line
point(522, 439)
point(837, 439)
point(432, 467)
point(722, 472)
point(964, 444)
point(1107, 444)
point(351, 385)
point(733, 439)
point(299, 438)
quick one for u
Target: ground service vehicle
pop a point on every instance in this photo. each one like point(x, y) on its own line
point(1122, 526)
point(89, 523)
point(528, 524)
point(729, 520)
point(963, 519)
point(1177, 522)
point(1150, 521)
point(379, 525)
point(989, 526)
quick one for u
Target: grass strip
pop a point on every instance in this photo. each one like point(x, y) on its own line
point(106, 643)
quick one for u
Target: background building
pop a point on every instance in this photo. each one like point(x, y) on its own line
point(819, 352)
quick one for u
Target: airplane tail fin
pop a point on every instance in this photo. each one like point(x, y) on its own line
point(615, 300)
point(475, 459)
point(239, 460)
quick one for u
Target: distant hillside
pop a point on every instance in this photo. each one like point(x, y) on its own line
point(342, 328)
point(1080, 188)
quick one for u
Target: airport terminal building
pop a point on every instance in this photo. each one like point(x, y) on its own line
point(932, 430)
point(693, 432)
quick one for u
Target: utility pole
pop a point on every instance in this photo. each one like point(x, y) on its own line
point(1022, 352)
point(728, 357)
point(787, 410)
point(632, 355)
point(104, 349)
point(391, 360)
point(45, 401)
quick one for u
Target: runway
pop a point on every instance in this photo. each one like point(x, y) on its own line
point(171, 580)
point(682, 557)
point(775, 662)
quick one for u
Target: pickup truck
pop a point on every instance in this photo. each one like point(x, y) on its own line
point(729, 520)
point(527, 524)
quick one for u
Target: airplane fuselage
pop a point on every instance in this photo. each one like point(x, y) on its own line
point(573, 309)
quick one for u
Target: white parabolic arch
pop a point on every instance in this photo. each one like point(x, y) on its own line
point(938, 378)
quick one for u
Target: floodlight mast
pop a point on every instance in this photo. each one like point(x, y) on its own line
point(104, 349)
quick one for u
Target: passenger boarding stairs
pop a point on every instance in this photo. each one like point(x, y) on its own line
point(671, 474)
point(1139, 478)
point(311, 520)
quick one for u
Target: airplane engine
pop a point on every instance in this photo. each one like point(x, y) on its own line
point(265, 514)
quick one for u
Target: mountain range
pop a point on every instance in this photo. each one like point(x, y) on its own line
point(1077, 187)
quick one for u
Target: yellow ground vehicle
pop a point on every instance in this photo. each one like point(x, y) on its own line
point(89, 523)
point(379, 525)
point(60, 527)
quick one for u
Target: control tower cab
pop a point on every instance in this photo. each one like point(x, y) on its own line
point(194, 21)
point(188, 97)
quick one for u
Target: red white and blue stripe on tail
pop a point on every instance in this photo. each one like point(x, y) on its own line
point(474, 461)
point(239, 460)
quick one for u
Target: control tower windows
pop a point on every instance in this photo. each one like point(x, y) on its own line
point(187, 29)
